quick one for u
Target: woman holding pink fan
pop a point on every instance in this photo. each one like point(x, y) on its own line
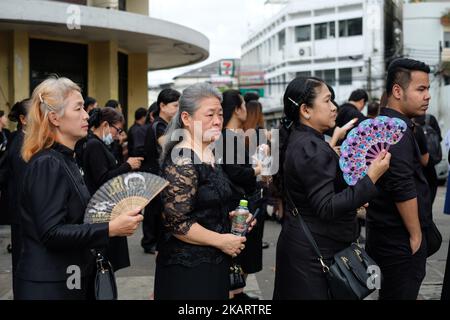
point(314, 184)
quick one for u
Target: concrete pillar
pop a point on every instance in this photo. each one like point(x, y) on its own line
point(14, 68)
point(137, 83)
point(103, 75)
point(138, 6)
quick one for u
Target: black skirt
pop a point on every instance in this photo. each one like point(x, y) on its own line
point(299, 274)
point(251, 258)
point(206, 281)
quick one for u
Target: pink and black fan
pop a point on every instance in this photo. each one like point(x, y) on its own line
point(365, 142)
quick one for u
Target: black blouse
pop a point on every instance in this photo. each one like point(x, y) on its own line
point(238, 166)
point(197, 193)
point(315, 182)
point(99, 163)
point(53, 200)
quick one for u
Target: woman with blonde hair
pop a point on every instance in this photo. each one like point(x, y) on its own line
point(56, 261)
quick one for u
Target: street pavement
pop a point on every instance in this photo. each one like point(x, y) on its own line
point(136, 282)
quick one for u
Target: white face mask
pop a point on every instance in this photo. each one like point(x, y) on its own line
point(108, 139)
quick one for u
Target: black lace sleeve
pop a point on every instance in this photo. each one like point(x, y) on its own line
point(178, 198)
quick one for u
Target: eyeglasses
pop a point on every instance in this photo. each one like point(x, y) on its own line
point(119, 130)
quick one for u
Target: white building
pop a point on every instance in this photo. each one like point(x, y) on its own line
point(428, 40)
point(345, 42)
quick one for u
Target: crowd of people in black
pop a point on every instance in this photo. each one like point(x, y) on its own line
point(66, 147)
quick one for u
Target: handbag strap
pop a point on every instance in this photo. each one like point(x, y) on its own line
point(307, 232)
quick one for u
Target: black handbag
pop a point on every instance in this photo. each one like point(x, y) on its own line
point(105, 281)
point(434, 239)
point(237, 279)
point(353, 275)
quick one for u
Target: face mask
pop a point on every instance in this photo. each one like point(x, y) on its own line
point(108, 139)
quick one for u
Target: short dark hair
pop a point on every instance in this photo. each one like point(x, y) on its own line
point(359, 94)
point(140, 113)
point(19, 109)
point(399, 72)
point(110, 115)
point(89, 101)
point(373, 109)
point(112, 104)
point(250, 96)
point(168, 96)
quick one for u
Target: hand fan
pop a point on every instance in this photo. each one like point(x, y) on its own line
point(365, 142)
point(122, 194)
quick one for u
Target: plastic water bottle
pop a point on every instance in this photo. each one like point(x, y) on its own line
point(238, 223)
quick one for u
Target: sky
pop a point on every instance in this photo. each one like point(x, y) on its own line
point(226, 23)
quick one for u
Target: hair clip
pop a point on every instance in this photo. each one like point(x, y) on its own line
point(40, 98)
point(293, 102)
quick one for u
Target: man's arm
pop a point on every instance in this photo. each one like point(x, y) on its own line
point(409, 212)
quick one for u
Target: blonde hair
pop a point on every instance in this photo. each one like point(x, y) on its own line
point(49, 96)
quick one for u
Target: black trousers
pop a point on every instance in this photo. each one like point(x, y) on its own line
point(152, 224)
point(402, 272)
point(446, 286)
point(16, 243)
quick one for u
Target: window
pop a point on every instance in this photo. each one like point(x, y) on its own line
point(281, 40)
point(302, 33)
point(320, 31)
point(345, 76)
point(446, 39)
point(352, 27)
point(330, 77)
point(303, 74)
point(332, 25)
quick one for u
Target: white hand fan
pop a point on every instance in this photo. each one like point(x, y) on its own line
point(122, 194)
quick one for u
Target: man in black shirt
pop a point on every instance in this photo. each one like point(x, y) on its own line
point(136, 134)
point(398, 217)
point(353, 108)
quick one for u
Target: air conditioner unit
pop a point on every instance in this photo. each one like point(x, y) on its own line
point(304, 51)
point(107, 4)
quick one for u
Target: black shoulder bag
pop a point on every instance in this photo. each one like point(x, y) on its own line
point(353, 275)
point(105, 280)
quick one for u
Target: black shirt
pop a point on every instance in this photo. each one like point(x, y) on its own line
point(17, 168)
point(403, 181)
point(152, 149)
point(99, 164)
point(348, 112)
point(53, 200)
point(197, 193)
point(237, 166)
point(316, 185)
point(136, 140)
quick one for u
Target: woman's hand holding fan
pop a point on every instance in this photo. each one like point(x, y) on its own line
point(365, 149)
point(125, 224)
point(126, 195)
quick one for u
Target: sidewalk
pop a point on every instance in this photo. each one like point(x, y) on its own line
point(136, 282)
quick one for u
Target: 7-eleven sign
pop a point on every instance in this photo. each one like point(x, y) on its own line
point(226, 68)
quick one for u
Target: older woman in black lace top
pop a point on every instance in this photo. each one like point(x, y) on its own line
point(194, 257)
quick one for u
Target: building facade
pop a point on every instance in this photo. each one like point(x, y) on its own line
point(345, 42)
point(107, 47)
point(427, 38)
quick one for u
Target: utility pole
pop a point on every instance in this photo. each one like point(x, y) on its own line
point(369, 78)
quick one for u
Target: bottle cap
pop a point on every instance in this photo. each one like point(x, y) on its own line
point(243, 203)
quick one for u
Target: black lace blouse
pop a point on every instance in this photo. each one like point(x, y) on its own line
point(197, 193)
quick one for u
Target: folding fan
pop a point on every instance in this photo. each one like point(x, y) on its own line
point(122, 194)
point(365, 142)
